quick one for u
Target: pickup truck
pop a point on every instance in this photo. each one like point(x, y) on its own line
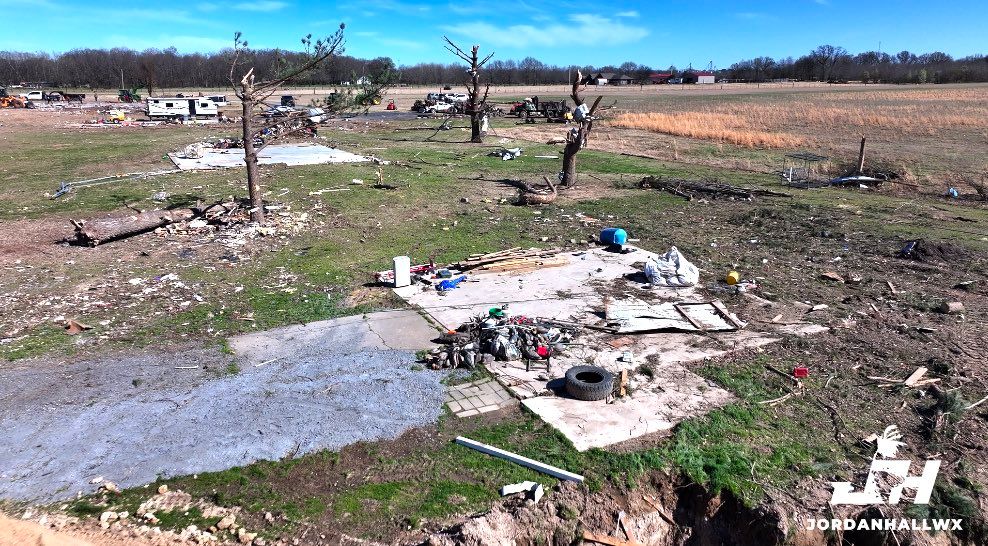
point(33, 95)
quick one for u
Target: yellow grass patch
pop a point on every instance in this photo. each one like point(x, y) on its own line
point(819, 117)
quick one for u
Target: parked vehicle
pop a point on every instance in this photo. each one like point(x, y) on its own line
point(457, 97)
point(33, 95)
point(288, 100)
point(219, 100)
point(128, 95)
point(180, 108)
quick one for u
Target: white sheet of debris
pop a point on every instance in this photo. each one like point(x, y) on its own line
point(289, 154)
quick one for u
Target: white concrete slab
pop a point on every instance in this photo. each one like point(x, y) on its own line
point(289, 154)
point(673, 395)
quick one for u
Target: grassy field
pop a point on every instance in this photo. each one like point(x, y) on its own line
point(452, 200)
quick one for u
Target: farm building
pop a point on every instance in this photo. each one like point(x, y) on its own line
point(698, 77)
point(608, 78)
point(659, 78)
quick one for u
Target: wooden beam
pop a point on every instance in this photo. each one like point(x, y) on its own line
point(518, 459)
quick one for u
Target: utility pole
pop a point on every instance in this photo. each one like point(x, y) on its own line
point(121, 79)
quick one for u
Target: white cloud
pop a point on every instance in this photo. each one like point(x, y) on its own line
point(163, 41)
point(261, 5)
point(587, 30)
point(630, 13)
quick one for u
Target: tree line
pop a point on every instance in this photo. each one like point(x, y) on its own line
point(834, 64)
point(155, 68)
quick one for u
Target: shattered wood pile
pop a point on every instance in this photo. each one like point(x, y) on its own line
point(688, 189)
point(513, 259)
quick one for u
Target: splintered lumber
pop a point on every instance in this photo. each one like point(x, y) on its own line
point(522, 264)
point(686, 188)
point(518, 459)
point(95, 232)
point(505, 256)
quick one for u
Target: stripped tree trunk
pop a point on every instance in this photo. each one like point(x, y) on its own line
point(476, 103)
point(250, 154)
point(576, 138)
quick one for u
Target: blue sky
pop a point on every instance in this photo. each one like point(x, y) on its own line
point(564, 32)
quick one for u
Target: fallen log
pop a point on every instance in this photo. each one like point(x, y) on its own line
point(686, 188)
point(530, 196)
point(104, 230)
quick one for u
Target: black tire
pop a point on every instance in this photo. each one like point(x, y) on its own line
point(589, 383)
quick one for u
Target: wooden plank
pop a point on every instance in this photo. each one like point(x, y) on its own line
point(518, 459)
point(601, 539)
point(915, 376)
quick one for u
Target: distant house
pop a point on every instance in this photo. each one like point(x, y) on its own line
point(704, 77)
point(607, 78)
point(659, 78)
point(600, 78)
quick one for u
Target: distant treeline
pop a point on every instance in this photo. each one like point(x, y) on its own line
point(101, 68)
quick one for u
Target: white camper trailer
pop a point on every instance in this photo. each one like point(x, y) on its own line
point(181, 108)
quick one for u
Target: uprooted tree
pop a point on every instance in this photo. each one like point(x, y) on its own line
point(576, 138)
point(252, 91)
point(476, 104)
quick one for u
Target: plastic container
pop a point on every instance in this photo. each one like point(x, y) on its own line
point(733, 277)
point(613, 236)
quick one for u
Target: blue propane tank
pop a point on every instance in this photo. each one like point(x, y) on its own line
point(613, 236)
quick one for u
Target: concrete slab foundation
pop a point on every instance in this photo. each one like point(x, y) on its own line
point(289, 154)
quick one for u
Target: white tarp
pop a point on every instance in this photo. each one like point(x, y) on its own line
point(289, 154)
point(671, 269)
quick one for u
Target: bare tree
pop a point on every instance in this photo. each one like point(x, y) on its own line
point(577, 137)
point(252, 94)
point(476, 105)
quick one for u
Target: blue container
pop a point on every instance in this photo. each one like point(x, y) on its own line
point(613, 236)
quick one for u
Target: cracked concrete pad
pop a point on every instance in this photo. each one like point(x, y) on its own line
point(674, 394)
point(397, 330)
point(130, 418)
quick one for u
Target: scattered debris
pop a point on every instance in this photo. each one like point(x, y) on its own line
point(532, 490)
point(914, 380)
point(506, 154)
point(498, 337)
point(66, 187)
point(518, 459)
point(688, 189)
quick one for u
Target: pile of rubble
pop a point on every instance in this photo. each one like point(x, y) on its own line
point(498, 336)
